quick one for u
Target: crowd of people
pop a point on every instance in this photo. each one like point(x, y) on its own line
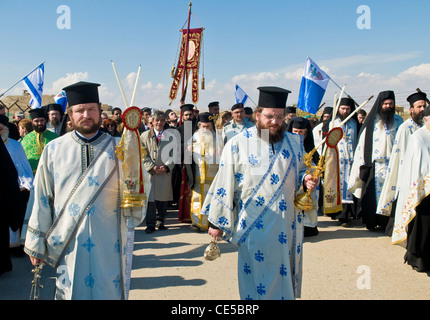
point(233, 173)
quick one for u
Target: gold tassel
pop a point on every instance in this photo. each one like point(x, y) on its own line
point(172, 72)
point(203, 83)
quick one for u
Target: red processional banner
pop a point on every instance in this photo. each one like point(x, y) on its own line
point(189, 61)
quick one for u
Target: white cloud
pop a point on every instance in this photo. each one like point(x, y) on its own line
point(69, 79)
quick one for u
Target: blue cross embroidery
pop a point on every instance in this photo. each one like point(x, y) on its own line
point(116, 281)
point(239, 177)
point(259, 256)
point(223, 221)
point(285, 153)
point(252, 160)
point(283, 271)
point(89, 281)
point(116, 247)
point(282, 205)
point(88, 245)
point(259, 224)
point(74, 209)
point(56, 240)
point(94, 181)
point(44, 201)
point(282, 238)
point(221, 192)
point(260, 201)
point(242, 223)
point(274, 179)
point(247, 268)
point(261, 289)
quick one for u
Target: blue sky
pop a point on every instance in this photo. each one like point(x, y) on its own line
point(252, 43)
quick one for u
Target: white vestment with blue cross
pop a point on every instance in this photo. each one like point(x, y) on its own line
point(252, 200)
point(76, 224)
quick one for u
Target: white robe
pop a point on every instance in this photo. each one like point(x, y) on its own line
point(76, 223)
point(390, 190)
point(346, 147)
point(252, 200)
point(383, 140)
point(414, 182)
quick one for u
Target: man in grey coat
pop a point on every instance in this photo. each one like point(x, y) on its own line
point(162, 149)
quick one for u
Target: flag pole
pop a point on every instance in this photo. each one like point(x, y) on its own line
point(1, 95)
point(356, 104)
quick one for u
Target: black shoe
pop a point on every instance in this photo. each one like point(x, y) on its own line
point(149, 229)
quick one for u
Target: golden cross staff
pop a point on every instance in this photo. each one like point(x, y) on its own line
point(304, 201)
point(35, 283)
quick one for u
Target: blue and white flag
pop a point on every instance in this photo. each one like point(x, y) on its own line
point(34, 84)
point(61, 99)
point(313, 87)
point(240, 95)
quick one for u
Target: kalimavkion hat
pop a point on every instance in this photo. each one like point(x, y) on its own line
point(82, 92)
point(273, 97)
point(416, 97)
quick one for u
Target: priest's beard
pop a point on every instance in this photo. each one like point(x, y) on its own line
point(54, 122)
point(87, 129)
point(39, 128)
point(418, 118)
point(387, 116)
point(275, 135)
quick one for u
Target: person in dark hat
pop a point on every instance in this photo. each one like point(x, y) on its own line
point(251, 201)
point(317, 131)
point(388, 199)
point(371, 158)
point(213, 108)
point(290, 113)
point(55, 115)
point(35, 141)
point(77, 222)
point(302, 126)
point(206, 146)
point(238, 123)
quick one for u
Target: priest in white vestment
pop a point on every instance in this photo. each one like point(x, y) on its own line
point(77, 224)
point(387, 200)
point(206, 146)
point(412, 217)
point(251, 201)
point(372, 157)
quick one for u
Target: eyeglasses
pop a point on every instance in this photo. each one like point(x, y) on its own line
point(270, 117)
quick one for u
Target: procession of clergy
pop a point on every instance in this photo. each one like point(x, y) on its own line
point(231, 180)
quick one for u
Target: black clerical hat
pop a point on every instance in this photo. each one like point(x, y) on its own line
point(416, 97)
point(273, 97)
point(213, 104)
point(37, 113)
point(347, 102)
point(206, 117)
point(54, 107)
point(82, 92)
point(187, 107)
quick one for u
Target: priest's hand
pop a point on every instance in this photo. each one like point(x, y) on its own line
point(215, 233)
point(310, 182)
point(35, 261)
